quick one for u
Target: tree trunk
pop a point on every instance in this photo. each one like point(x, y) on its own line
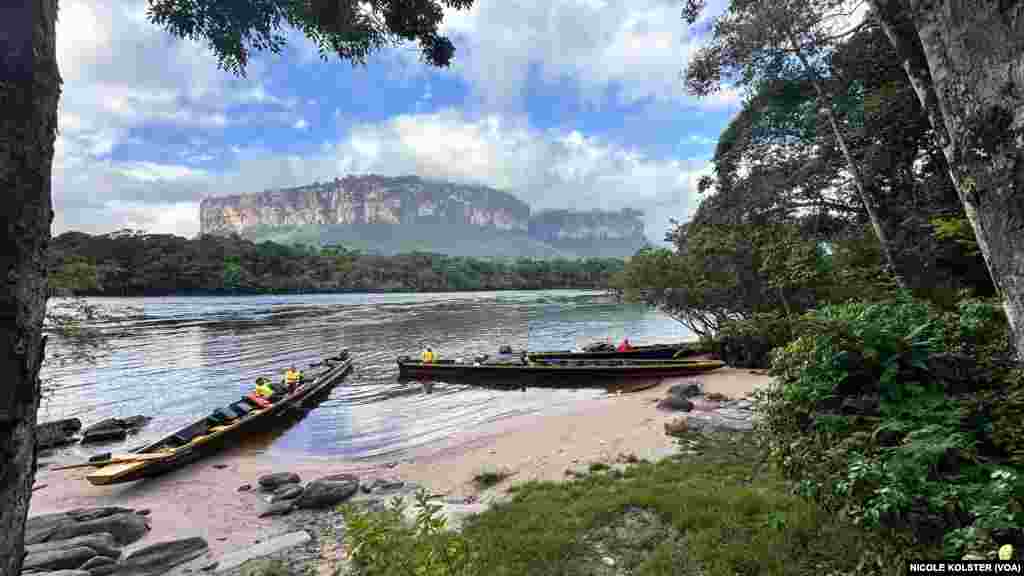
point(965, 60)
point(29, 92)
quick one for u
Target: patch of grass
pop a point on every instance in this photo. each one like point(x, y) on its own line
point(722, 513)
point(489, 478)
point(598, 466)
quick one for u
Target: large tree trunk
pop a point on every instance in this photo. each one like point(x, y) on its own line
point(966, 63)
point(29, 91)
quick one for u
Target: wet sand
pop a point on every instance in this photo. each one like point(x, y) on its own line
point(202, 499)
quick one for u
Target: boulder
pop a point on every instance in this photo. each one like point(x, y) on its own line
point(675, 403)
point(42, 528)
point(159, 558)
point(328, 491)
point(286, 492)
point(103, 543)
point(113, 429)
point(63, 573)
point(271, 482)
point(279, 508)
point(103, 570)
point(57, 433)
point(384, 485)
point(686, 390)
point(59, 559)
point(125, 527)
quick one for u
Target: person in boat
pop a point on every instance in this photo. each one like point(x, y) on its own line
point(292, 378)
point(506, 356)
point(264, 389)
point(427, 356)
point(625, 346)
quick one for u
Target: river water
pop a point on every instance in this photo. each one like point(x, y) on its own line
point(178, 358)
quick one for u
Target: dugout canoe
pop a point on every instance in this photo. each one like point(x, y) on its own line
point(650, 352)
point(214, 431)
point(596, 370)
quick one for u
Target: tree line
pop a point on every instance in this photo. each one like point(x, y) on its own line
point(128, 263)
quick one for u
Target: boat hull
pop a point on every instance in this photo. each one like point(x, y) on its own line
point(551, 374)
point(658, 352)
point(216, 440)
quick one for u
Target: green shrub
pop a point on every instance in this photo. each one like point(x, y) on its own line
point(868, 423)
point(748, 343)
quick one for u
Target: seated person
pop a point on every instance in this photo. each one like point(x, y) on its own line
point(292, 378)
point(427, 356)
point(625, 346)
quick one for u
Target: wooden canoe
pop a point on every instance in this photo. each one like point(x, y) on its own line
point(651, 352)
point(595, 370)
point(203, 436)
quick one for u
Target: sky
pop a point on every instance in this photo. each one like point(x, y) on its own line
point(575, 104)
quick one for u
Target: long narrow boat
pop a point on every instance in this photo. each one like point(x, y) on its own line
point(651, 352)
point(196, 440)
point(600, 370)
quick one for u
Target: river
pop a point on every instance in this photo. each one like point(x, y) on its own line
point(178, 358)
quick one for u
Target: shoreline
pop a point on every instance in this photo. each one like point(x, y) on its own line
point(203, 499)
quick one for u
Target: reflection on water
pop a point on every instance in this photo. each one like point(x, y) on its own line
point(178, 358)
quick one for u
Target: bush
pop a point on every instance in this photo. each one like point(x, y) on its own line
point(748, 343)
point(868, 424)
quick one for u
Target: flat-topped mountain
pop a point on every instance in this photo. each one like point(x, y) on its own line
point(388, 215)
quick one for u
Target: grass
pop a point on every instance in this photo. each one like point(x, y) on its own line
point(721, 513)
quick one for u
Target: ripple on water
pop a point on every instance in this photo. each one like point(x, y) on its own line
point(178, 358)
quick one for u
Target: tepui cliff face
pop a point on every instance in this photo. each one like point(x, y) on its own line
point(414, 203)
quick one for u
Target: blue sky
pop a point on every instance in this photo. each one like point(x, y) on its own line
point(560, 114)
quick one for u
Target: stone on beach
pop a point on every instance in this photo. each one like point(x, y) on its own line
point(125, 527)
point(676, 427)
point(278, 508)
point(103, 543)
point(687, 389)
point(57, 433)
point(328, 491)
point(59, 559)
point(113, 429)
point(271, 482)
point(675, 403)
point(61, 573)
point(161, 557)
point(47, 527)
point(286, 492)
point(97, 561)
point(283, 542)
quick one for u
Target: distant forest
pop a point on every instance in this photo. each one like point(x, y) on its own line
point(131, 263)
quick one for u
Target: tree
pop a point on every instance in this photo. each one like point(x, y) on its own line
point(966, 63)
point(757, 41)
point(29, 93)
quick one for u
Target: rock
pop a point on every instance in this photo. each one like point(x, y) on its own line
point(159, 558)
point(113, 429)
point(133, 423)
point(245, 487)
point(125, 527)
point(676, 427)
point(328, 491)
point(722, 419)
point(59, 559)
point(102, 543)
point(286, 492)
point(270, 482)
point(283, 542)
point(279, 508)
point(220, 466)
point(57, 433)
point(143, 512)
point(675, 403)
point(42, 528)
point(209, 567)
point(63, 573)
point(103, 570)
point(383, 485)
point(686, 390)
point(97, 561)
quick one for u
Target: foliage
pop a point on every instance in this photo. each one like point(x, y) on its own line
point(748, 343)
point(352, 30)
point(718, 513)
point(490, 478)
point(383, 543)
point(142, 264)
point(867, 419)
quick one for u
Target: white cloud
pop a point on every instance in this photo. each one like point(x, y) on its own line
point(300, 124)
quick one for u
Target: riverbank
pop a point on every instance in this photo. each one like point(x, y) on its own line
point(204, 499)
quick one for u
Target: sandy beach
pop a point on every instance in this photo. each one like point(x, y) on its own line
point(203, 499)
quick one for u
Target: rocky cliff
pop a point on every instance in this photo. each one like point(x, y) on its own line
point(424, 215)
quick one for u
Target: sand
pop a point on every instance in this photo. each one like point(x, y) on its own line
point(203, 499)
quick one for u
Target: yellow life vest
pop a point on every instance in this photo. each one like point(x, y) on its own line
point(291, 377)
point(265, 390)
point(427, 356)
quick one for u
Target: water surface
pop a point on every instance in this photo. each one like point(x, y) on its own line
point(178, 358)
